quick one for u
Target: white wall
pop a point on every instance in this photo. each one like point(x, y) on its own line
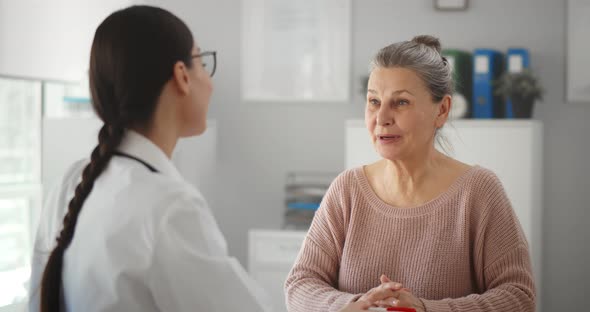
point(50, 39)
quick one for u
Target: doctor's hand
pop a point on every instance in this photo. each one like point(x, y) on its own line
point(357, 306)
point(401, 298)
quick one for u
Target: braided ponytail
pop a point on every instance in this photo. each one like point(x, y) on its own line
point(109, 138)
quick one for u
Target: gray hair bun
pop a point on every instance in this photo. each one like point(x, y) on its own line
point(429, 41)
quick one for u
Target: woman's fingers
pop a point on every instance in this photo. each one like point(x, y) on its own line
point(401, 298)
point(392, 285)
point(382, 292)
point(385, 279)
point(389, 302)
point(360, 305)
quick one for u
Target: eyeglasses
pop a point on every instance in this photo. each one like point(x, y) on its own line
point(209, 61)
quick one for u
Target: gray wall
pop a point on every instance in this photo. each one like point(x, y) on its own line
point(260, 142)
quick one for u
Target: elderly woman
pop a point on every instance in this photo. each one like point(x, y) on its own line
point(442, 232)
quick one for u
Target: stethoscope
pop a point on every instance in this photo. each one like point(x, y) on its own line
point(150, 167)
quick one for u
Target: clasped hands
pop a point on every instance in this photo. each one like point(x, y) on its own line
point(387, 294)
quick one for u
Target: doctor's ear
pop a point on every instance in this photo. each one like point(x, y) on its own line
point(180, 78)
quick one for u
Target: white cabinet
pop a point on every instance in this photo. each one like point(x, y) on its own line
point(510, 148)
point(271, 254)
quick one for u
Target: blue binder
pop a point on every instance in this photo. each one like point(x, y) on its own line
point(488, 65)
point(516, 60)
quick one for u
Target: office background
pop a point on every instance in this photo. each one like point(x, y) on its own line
point(310, 135)
point(259, 142)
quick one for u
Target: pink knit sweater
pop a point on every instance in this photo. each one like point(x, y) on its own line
point(462, 251)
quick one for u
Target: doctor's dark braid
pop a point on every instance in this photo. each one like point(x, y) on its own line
point(109, 138)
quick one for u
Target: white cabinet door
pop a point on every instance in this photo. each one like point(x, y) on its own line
point(512, 150)
point(271, 255)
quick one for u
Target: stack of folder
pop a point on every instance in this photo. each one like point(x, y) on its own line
point(476, 76)
point(488, 66)
point(461, 65)
point(304, 193)
point(517, 61)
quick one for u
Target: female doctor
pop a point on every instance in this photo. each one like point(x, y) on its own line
point(135, 236)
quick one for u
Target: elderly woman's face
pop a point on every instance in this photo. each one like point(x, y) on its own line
point(400, 114)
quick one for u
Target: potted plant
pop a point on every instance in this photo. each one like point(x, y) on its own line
point(523, 89)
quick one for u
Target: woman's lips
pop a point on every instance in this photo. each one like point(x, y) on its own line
point(389, 138)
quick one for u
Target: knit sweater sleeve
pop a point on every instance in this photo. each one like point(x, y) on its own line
point(313, 281)
point(501, 257)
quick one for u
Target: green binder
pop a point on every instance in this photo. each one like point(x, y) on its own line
point(461, 64)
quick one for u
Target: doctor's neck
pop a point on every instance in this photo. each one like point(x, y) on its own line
point(165, 125)
point(168, 121)
point(165, 137)
point(162, 129)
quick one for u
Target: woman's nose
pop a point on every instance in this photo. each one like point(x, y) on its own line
point(385, 116)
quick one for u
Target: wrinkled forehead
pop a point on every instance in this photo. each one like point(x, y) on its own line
point(395, 79)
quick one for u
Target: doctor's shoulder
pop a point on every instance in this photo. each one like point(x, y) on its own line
point(183, 213)
point(173, 194)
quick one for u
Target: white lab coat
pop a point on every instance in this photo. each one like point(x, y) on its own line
point(144, 241)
